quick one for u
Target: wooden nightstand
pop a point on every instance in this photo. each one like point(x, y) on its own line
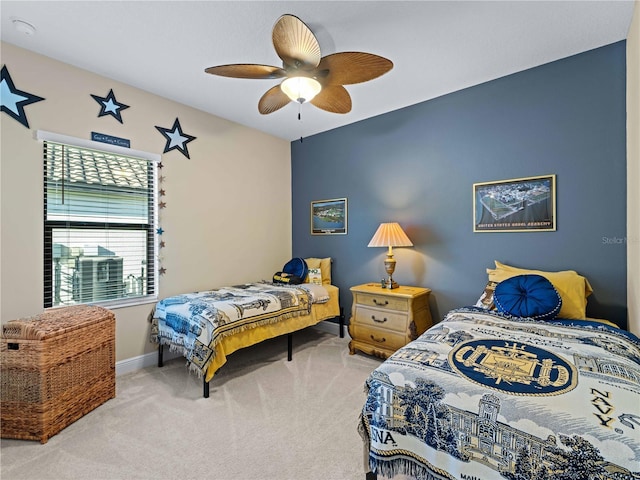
point(384, 320)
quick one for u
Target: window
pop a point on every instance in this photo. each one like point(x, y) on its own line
point(99, 225)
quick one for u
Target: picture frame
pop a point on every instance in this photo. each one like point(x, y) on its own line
point(329, 217)
point(525, 204)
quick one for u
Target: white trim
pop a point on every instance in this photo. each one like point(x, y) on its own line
point(43, 135)
point(329, 327)
point(143, 361)
point(124, 302)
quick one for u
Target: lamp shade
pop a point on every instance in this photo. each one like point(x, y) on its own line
point(301, 89)
point(390, 235)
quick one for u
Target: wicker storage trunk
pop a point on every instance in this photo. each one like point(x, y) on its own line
point(55, 368)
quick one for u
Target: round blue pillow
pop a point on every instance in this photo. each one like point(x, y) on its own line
point(297, 267)
point(530, 296)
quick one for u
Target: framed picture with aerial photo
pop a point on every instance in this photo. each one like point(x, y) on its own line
point(329, 217)
point(516, 205)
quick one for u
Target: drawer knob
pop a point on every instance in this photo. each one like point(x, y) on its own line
point(386, 302)
point(377, 320)
point(379, 340)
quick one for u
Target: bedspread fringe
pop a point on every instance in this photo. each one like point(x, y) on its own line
point(183, 351)
point(239, 329)
point(259, 323)
point(397, 463)
point(403, 466)
point(165, 336)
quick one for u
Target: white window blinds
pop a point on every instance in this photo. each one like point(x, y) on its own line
point(99, 218)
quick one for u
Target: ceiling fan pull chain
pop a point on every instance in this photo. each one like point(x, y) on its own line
point(300, 119)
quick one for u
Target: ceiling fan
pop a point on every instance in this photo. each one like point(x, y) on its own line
point(308, 77)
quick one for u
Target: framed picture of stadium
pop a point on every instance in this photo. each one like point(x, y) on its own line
point(329, 217)
point(517, 205)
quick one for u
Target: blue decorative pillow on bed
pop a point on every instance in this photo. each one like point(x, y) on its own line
point(531, 296)
point(297, 267)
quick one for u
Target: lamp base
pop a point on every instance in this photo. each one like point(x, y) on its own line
point(389, 266)
point(389, 283)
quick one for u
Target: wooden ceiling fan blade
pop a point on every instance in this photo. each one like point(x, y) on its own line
point(247, 70)
point(347, 68)
point(334, 99)
point(295, 43)
point(273, 99)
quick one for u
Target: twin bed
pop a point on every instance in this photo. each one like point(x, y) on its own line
point(489, 394)
point(205, 327)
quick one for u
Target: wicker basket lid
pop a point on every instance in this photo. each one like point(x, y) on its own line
point(55, 322)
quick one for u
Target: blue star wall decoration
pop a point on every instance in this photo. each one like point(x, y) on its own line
point(176, 138)
point(110, 106)
point(13, 100)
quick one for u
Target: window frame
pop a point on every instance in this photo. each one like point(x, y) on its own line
point(49, 226)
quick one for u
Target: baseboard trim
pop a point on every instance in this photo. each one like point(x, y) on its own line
point(142, 361)
point(150, 359)
point(327, 326)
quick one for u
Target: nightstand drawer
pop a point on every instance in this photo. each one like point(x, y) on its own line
point(378, 337)
point(383, 301)
point(379, 318)
point(384, 320)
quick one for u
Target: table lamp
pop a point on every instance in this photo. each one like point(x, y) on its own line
point(390, 235)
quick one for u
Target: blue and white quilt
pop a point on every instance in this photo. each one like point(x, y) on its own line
point(481, 396)
point(194, 323)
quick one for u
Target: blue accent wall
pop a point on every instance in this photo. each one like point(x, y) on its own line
point(417, 166)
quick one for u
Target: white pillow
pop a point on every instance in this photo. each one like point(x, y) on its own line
point(324, 264)
point(315, 276)
point(318, 293)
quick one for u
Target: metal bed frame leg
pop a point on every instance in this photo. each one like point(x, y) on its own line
point(205, 388)
point(341, 320)
point(205, 384)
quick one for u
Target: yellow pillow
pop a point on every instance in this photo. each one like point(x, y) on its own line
point(324, 264)
point(602, 320)
point(573, 288)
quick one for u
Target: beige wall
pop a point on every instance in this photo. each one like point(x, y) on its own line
point(228, 215)
point(633, 171)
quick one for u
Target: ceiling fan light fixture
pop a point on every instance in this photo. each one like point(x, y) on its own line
point(302, 66)
point(301, 89)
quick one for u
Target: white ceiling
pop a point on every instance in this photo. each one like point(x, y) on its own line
point(437, 47)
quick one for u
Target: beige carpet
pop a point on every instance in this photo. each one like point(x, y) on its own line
point(266, 418)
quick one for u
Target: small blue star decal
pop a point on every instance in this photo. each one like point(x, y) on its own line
point(159, 231)
point(110, 106)
point(176, 138)
point(13, 100)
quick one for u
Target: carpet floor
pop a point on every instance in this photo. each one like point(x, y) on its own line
point(266, 418)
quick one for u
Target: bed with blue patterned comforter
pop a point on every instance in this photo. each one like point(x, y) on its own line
point(207, 326)
point(483, 396)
